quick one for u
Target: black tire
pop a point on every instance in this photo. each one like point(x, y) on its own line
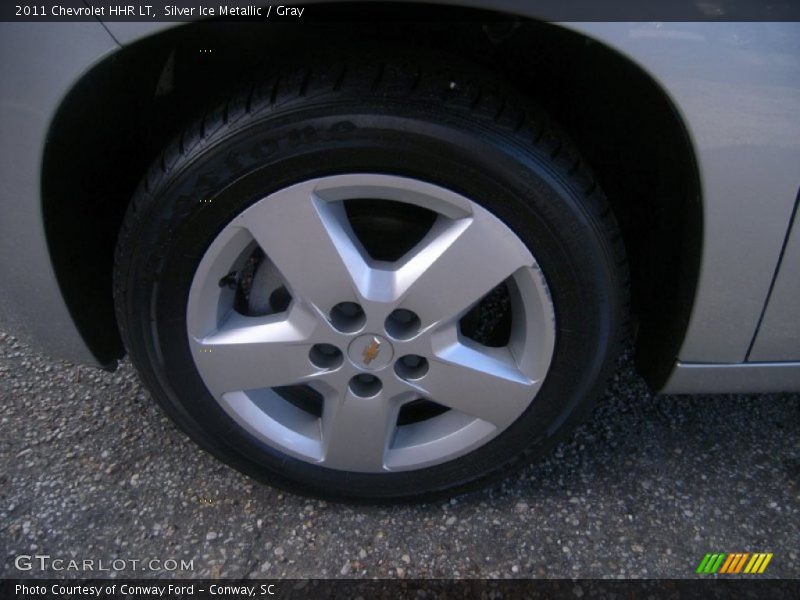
point(453, 126)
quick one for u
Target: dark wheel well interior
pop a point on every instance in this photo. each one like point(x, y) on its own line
point(119, 115)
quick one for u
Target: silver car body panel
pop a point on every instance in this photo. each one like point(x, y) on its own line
point(41, 62)
point(741, 379)
point(735, 85)
point(779, 335)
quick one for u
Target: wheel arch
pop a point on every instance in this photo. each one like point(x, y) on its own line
point(116, 119)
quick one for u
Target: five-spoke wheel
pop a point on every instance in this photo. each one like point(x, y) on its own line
point(373, 279)
point(368, 337)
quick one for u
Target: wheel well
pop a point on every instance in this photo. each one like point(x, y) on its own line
point(118, 116)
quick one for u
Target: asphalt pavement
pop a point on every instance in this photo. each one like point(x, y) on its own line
point(91, 469)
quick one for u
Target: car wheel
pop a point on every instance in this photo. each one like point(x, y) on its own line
point(372, 280)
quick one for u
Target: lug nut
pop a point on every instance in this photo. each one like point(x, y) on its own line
point(365, 385)
point(402, 324)
point(411, 367)
point(347, 317)
point(325, 356)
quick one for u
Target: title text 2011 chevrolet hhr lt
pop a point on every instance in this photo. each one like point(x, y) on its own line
point(390, 259)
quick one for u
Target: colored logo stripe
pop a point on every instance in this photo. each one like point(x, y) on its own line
point(710, 563)
point(727, 564)
point(740, 564)
point(734, 563)
point(703, 563)
point(758, 563)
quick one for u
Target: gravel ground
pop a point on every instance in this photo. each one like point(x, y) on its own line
point(91, 468)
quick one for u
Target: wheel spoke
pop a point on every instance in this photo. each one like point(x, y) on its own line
point(457, 264)
point(255, 352)
point(484, 383)
point(311, 244)
point(356, 431)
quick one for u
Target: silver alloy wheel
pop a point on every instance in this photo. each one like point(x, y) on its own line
point(342, 335)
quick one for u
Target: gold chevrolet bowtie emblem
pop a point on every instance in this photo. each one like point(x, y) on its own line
point(371, 351)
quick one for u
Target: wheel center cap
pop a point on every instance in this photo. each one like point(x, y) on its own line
point(370, 351)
